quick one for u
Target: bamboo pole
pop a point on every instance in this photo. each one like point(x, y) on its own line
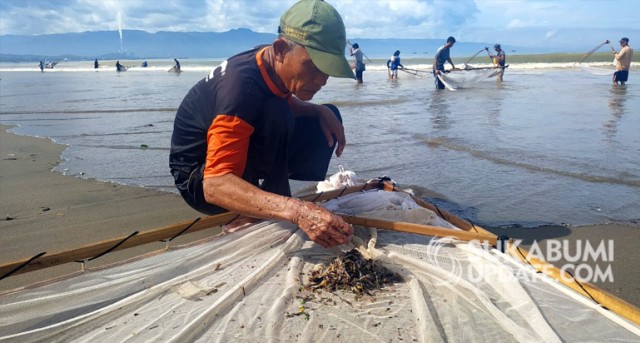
point(426, 230)
point(476, 54)
point(590, 52)
point(88, 251)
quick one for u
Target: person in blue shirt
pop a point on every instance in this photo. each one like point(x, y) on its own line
point(442, 56)
point(393, 64)
point(144, 64)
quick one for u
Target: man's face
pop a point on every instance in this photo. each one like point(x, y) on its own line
point(623, 44)
point(300, 75)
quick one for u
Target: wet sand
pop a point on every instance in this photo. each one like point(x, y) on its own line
point(41, 210)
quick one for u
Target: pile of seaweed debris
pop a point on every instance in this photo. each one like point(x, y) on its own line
point(352, 272)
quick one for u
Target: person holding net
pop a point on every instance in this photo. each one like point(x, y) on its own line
point(442, 56)
point(499, 60)
point(623, 62)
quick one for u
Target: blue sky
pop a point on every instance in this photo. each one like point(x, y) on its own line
point(518, 22)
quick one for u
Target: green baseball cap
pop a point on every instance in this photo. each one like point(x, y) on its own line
point(318, 27)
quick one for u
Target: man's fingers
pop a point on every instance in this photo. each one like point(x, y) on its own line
point(342, 141)
point(330, 238)
point(339, 149)
point(324, 243)
point(334, 238)
point(345, 229)
point(342, 239)
point(328, 135)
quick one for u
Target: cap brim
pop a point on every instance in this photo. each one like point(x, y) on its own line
point(330, 64)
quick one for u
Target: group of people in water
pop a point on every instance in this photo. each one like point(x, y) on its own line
point(442, 56)
point(120, 67)
point(499, 59)
point(47, 65)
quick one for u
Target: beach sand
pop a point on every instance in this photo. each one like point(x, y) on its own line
point(41, 210)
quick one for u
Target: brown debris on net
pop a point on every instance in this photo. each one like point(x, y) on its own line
point(354, 273)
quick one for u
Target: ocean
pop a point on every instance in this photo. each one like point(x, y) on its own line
point(553, 143)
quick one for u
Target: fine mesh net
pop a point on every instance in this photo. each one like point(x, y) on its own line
point(597, 70)
point(466, 78)
point(247, 286)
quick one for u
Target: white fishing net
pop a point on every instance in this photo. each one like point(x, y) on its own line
point(247, 286)
point(597, 70)
point(466, 78)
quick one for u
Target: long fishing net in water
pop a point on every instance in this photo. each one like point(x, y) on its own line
point(457, 79)
point(596, 68)
point(263, 283)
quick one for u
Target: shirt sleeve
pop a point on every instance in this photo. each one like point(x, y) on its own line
point(228, 140)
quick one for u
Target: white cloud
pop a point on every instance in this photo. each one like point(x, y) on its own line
point(519, 24)
point(550, 34)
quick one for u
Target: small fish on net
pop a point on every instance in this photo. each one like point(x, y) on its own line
point(354, 273)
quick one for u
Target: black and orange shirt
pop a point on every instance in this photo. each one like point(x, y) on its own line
point(215, 121)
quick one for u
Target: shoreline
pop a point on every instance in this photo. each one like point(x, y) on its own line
point(42, 210)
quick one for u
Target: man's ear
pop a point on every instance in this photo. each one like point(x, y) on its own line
point(280, 48)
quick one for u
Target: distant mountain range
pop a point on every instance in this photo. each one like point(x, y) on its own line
point(144, 45)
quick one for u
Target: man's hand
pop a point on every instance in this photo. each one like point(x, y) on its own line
point(322, 226)
point(331, 126)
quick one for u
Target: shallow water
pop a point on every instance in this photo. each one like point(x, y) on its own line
point(548, 145)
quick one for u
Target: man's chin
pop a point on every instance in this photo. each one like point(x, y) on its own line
point(305, 95)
